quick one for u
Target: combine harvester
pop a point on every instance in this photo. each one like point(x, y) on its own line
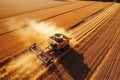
point(58, 43)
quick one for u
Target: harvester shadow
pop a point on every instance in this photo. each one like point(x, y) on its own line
point(74, 65)
point(53, 73)
point(57, 72)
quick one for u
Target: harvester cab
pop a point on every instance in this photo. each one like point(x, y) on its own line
point(58, 41)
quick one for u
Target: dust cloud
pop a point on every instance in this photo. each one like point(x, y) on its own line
point(46, 28)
